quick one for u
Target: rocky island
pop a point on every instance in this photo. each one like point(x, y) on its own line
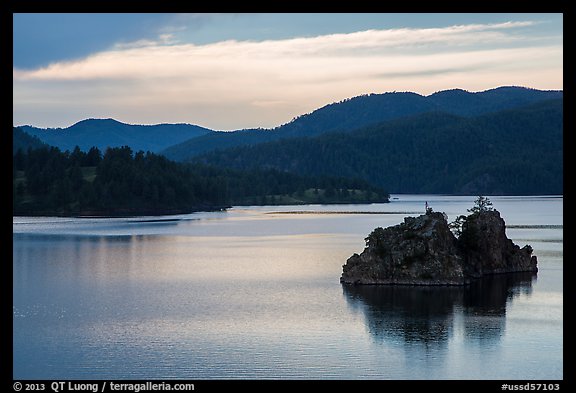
point(424, 251)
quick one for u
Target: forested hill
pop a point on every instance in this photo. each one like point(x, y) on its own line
point(103, 133)
point(358, 112)
point(24, 141)
point(516, 151)
point(47, 181)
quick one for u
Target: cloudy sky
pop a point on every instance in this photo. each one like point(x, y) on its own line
point(232, 71)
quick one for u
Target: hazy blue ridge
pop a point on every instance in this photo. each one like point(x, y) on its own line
point(103, 133)
point(23, 140)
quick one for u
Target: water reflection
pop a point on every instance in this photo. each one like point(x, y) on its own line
point(425, 316)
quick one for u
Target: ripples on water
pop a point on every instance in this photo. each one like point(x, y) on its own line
point(248, 294)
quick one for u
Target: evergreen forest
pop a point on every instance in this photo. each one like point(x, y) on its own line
point(118, 182)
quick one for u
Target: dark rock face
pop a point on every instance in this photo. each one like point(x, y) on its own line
point(423, 251)
point(487, 250)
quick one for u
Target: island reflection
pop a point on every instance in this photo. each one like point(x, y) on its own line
point(425, 316)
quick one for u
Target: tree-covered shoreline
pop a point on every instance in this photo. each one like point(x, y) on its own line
point(512, 152)
point(49, 182)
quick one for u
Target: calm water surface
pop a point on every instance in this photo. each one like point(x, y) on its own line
point(254, 293)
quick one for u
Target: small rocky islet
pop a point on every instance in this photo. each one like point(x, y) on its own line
point(424, 250)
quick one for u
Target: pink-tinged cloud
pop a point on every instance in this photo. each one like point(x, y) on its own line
point(236, 84)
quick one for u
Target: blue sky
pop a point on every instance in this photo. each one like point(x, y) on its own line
point(231, 71)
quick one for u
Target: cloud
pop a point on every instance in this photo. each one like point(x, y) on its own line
point(163, 58)
point(279, 79)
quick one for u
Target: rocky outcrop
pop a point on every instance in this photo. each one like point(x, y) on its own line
point(487, 250)
point(423, 251)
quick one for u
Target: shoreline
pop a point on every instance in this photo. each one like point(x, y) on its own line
point(122, 213)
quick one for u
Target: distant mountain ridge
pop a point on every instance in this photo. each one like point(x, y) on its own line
point(23, 141)
point(361, 111)
point(506, 140)
point(181, 142)
point(104, 133)
point(510, 152)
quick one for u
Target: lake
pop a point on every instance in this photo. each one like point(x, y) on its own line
point(254, 293)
